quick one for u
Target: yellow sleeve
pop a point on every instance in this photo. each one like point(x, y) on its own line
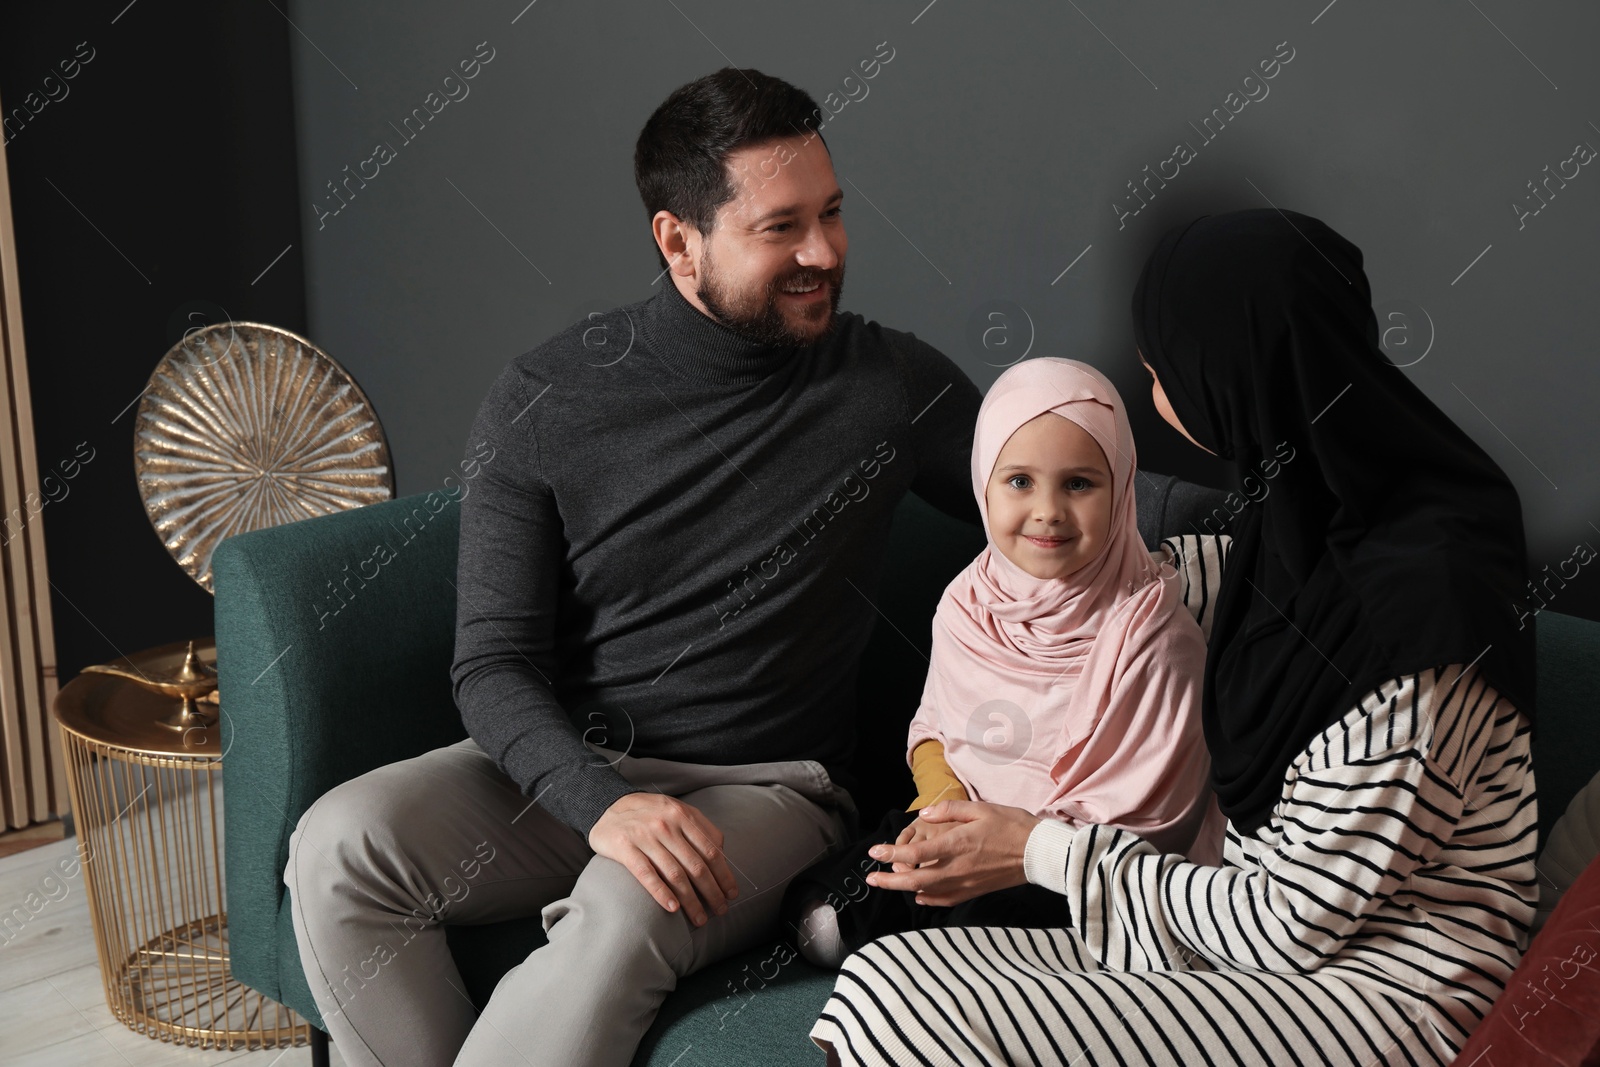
point(935, 781)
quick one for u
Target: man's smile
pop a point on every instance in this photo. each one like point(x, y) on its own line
point(805, 290)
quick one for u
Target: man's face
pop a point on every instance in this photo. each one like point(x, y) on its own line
point(782, 231)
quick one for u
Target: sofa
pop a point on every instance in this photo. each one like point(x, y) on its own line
point(318, 686)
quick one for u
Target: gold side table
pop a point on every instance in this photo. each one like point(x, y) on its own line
point(145, 771)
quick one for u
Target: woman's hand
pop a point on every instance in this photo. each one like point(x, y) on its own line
point(976, 848)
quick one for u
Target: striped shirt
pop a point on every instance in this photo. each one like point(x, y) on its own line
point(1373, 919)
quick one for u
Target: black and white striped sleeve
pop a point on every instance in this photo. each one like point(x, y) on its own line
point(1373, 800)
point(1199, 559)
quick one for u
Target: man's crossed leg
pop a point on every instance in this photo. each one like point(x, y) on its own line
point(379, 863)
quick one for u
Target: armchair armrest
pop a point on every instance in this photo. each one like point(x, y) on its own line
point(334, 641)
point(1168, 506)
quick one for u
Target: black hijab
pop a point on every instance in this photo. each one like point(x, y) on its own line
point(1389, 543)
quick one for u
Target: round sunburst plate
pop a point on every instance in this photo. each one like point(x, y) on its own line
point(245, 426)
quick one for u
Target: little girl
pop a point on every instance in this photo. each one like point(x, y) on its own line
point(1065, 676)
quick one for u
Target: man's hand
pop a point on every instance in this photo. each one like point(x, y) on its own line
point(671, 848)
point(979, 852)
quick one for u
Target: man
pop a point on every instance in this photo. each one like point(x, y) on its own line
point(667, 565)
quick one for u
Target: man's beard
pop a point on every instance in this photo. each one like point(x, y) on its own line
point(757, 318)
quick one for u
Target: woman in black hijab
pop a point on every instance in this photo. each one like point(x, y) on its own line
point(1368, 705)
point(1396, 545)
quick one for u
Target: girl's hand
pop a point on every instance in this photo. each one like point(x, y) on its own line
point(919, 829)
point(977, 848)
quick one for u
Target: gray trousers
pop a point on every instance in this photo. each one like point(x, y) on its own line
point(378, 865)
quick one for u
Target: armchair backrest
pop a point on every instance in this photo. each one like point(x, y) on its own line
point(334, 641)
point(1566, 738)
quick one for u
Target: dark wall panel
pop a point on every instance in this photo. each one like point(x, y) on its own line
point(154, 191)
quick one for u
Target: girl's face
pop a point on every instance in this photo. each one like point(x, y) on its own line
point(1049, 497)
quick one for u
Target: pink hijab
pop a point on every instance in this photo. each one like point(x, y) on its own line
point(1075, 697)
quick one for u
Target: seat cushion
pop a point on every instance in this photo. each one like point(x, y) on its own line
point(1566, 745)
point(756, 1007)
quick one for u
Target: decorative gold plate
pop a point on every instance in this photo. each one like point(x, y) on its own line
point(245, 426)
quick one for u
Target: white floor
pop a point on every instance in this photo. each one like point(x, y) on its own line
point(52, 1008)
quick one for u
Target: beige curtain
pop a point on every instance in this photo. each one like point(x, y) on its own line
point(33, 785)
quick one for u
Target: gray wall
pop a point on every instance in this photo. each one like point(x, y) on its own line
point(987, 156)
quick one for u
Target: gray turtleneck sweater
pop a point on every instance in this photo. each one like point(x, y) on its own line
point(674, 538)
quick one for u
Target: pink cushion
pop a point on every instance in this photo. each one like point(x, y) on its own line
point(1549, 1012)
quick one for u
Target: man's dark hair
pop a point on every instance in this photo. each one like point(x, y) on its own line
point(680, 161)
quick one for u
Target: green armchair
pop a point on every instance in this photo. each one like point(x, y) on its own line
point(324, 675)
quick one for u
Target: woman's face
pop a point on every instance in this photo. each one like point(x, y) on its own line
point(1164, 406)
point(1049, 497)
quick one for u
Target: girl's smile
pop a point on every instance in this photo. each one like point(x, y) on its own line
point(1051, 477)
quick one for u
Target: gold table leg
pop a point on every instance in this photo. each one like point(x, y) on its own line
point(149, 842)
